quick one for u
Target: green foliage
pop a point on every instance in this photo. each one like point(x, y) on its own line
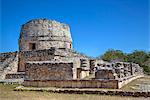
point(140, 57)
point(114, 55)
point(146, 68)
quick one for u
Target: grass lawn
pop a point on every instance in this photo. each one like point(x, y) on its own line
point(143, 80)
point(7, 93)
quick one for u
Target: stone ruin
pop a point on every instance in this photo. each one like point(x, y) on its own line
point(46, 54)
point(44, 34)
point(117, 70)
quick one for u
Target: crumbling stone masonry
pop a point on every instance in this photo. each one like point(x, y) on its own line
point(118, 70)
point(8, 63)
point(42, 34)
point(39, 55)
point(46, 58)
point(49, 71)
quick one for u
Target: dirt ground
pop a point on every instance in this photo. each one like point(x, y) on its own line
point(7, 93)
point(140, 84)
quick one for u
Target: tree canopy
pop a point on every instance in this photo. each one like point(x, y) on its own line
point(140, 57)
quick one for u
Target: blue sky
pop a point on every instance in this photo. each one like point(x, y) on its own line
point(96, 25)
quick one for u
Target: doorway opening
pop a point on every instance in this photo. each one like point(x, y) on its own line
point(32, 46)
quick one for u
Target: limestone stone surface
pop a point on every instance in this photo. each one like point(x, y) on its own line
point(49, 71)
point(8, 63)
point(45, 53)
point(39, 34)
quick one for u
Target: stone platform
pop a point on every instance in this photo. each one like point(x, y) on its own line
point(85, 91)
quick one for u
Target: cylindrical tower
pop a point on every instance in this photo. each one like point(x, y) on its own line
point(41, 34)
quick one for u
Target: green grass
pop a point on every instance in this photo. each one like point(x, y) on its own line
point(7, 93)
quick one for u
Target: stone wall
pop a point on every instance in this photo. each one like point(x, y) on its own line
point(73, 83)
point(44, 34)
point(49, 71)
point(105, 74)
point(39, 55)
point(48, 55)
point(118, 70)
point(45, 55)
point(122, 83)
point(19, 75)
point(8, 63)
point(110, 92)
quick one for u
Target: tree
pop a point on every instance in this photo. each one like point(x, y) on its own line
point(138, 57)
point(114, 55)
point(142, 58)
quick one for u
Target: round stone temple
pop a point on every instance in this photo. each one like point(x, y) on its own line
point(41, 34)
